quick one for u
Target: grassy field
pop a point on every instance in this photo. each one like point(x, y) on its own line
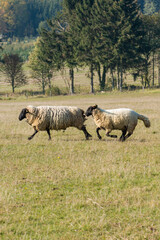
point(70, 188)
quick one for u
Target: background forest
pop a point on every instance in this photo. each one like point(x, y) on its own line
point(21, 18)
point(111, 40)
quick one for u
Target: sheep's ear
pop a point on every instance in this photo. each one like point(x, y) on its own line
point(95, 106)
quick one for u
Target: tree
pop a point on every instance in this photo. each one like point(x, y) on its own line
point(129, 45)
point(58, 46)
point(3, 27)
point(151, 44)
point(21, 17)
point(12, 69)
point(42, 70)
point(0, 43)
point(69, 52)
point(79, 13)
point(105, 15)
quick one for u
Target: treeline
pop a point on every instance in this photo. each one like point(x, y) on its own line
point(106, 36)
point(20, 18)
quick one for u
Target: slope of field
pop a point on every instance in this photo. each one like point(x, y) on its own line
point(70, 188)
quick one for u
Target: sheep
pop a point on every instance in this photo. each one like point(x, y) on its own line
point(123, 119)
point(46, 118)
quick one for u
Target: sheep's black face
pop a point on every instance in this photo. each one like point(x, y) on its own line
point(89, 110)
point(22, 115)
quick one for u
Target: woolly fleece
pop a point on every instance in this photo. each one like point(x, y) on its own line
point(118, 119)
point(55, 117)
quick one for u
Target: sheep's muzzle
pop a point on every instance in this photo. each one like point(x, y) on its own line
point(22, 115)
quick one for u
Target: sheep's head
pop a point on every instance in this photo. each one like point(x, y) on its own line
point(23, 113)
point(90, 109)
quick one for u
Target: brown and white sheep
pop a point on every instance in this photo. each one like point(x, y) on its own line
point(123, 119)
point(46, 118)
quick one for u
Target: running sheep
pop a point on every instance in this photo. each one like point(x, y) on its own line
point(46, 118)
point(123, 119)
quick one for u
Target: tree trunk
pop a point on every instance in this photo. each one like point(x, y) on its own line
point(159, 70)
point(92, 84)
point(13, 87)
point(49, 83)
point(112, 79)
point(71, 73)
point(43, 86)
point(121, 79)
point(153, 70)
point(99, 75)
point(118, 78)
point(102, 79)
point(146, 73)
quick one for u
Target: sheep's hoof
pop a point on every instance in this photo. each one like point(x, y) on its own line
point(88, 137)
point(114, 136)
point(100, 137)
point(29, 138)
point(122, 139)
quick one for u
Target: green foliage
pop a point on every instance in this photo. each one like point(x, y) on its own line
point(53, 91)
point(106, 36)
point(52, 42)
point(42, 70)
point(151, 27)
point(58, 46)
point(22, 48)
point(106, 33)
point(22, 17)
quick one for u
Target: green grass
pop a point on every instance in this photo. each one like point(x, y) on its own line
point(70, 188)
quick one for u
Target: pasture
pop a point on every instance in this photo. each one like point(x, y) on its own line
point(72, 189)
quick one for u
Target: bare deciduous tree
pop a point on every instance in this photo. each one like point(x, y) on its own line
point(12, 70)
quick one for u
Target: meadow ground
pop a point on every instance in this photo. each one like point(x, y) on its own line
point(69, 188)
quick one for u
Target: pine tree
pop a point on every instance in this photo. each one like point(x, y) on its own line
point(81, 29)
point(105, 15)
point(59, 46)
point(151, 26)
point(128, 48)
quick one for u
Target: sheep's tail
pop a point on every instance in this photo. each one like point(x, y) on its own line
point(145, 120)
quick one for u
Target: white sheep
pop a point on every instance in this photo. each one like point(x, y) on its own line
point(46, 118)
point(123, 119)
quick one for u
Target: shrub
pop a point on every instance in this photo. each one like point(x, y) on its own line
point(53, 91)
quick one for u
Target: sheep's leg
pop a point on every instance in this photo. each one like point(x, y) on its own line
point(87, 135)
point(33, 135)
point(122, 137)
point(97, 131)
point(112, 136)
point(127, 136)
point(48, 131)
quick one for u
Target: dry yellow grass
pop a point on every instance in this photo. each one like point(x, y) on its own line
point(70, 188)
